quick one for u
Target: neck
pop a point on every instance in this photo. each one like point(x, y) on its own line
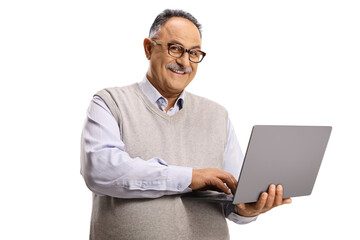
point(170, 97)
point(171, 103)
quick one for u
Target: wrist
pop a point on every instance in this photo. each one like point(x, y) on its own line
point(179, 178)
point(241, 213)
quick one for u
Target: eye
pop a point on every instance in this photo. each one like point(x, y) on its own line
point(175, 48)
point(194, 53)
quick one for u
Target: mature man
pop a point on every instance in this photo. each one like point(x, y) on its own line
point(145, 144)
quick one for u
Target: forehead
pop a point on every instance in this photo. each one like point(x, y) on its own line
point(182, 31)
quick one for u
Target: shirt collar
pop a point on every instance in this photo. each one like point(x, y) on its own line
point(155, 97)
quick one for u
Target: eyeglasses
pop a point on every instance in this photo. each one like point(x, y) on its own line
point(177, 51)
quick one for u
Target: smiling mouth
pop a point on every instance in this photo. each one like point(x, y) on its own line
point(177, 71)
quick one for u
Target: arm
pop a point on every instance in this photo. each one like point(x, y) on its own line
point(108, 170)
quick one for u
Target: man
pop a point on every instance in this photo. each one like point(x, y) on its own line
point(145, 144)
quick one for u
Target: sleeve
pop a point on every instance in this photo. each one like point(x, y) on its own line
point(109, 170)
point(233, 161)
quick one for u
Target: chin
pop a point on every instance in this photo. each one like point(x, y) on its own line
point(179, 83)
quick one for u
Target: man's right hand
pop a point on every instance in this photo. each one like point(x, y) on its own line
point(213, 179)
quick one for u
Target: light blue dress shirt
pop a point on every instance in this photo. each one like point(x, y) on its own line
point(102, 137)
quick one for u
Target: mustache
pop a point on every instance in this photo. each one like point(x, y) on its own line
point(177, 67)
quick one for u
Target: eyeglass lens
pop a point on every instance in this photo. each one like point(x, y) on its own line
point(178, 51)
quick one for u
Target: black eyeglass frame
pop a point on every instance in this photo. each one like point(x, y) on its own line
point(184, 50)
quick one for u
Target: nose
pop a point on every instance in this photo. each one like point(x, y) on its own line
point(184, 60)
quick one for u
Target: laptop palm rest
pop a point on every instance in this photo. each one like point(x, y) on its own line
point(209, 196)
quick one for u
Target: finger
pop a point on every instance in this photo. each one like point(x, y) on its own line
point(218, 183)
point(287, 201)
point(260, 204)
point(279, 196)
point(234, 179)
point(229, 180)
point(270, 200)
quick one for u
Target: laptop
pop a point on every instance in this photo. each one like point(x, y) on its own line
point(286, 155)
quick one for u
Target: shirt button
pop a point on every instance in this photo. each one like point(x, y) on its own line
point(178, 186)
point(143, 185)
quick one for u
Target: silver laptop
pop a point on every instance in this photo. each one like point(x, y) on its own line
point(286, 155)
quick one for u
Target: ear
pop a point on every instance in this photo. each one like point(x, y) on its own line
point(147, 47)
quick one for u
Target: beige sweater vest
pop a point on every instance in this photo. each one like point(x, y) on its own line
point(194, 137)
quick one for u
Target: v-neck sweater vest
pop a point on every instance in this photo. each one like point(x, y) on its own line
point(193, 137)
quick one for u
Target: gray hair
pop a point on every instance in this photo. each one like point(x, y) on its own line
point(163, 17)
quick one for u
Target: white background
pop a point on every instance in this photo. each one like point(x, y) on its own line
point(268, 62)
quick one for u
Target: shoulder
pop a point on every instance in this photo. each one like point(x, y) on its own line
point(114, 91)
point(119, 98)
point(126, 94)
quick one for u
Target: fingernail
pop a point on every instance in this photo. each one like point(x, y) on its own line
point(264, 195)
point(279, 187)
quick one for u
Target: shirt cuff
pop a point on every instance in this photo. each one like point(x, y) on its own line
point(236, 218)
point(179, 178)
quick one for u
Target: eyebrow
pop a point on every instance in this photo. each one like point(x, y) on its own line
point(174, 41)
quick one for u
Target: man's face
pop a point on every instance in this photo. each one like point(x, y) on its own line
point(162, 67)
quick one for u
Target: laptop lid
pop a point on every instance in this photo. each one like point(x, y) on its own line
point(286, 155)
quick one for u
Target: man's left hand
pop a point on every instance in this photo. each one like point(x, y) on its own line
point(267, 201)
